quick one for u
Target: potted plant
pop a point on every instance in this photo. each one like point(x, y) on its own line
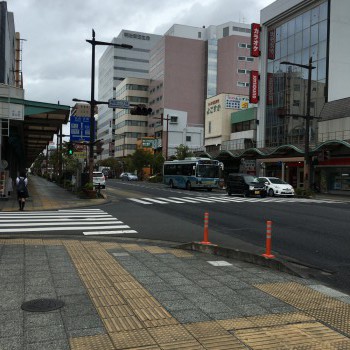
point(89, 190)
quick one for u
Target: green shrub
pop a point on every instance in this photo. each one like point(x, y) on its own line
point(89, 186)
point(301, 192)
point(157, 178)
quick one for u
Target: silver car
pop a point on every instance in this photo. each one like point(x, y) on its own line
point(277, 187)
point(129, 177)
point(98, 179)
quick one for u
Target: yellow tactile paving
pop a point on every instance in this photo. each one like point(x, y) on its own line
point(129, 339)
point(97, 342)
point(155, 249)
point(222, 342)
point(119, 324)
point(180, 253)
point(324, 308)
point(295, 336)
point(131, 247)
point(205, 329)
point(170, 334)
point(135, 320)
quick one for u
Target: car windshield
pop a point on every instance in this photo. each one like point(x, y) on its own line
point(97, 175)
point(251, 178)
point(207, 170)
point(277, 181)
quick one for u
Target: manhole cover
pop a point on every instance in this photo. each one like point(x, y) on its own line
point(42, 305)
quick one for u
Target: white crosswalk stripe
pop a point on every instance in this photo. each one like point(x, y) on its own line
point(86, 221)
point(227, 199)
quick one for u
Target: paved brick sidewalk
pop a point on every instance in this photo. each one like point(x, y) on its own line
point(127, 294)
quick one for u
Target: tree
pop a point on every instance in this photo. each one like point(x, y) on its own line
point(183, 152)
point(157, 163)
point(140, 159)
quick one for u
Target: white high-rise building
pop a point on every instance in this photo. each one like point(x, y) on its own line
point(115, 65)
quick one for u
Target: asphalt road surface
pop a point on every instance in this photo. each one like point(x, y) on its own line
point(313, 234)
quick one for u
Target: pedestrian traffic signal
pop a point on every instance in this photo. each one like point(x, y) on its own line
point(140, 110)
point(70, 148)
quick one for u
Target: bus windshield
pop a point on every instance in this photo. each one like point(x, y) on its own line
point(208, 170)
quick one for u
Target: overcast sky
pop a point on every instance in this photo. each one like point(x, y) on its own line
point(56, 61)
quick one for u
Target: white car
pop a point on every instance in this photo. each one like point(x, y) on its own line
point(129, 177)
point(98, 179)
point(276, 187)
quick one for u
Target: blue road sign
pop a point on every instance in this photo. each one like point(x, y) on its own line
point(79, 128)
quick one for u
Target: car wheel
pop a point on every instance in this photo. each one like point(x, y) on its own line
point(188, 186)
point(171, 184)
point(271, 193)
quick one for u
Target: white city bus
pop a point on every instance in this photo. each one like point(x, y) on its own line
point(192, 173)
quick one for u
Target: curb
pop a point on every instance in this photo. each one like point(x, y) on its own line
point(276, 263)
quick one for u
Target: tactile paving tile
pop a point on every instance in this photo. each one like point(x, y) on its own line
point(108, 300)
point(143, 303)
point(129, 339)
point(113, 311)
point(160, 322)
point(131, 247)
point(52, 242)
point(119, 324)
point(170, 334)
point(183, 345)
point(149, 314)
point(134, 294)
point(223, 342)
point(298, 336)
point(118, 278)
point(28, 241)
point(96, 342)
point(102, 291)
point(97, 284)
point(279, 319)
point(180, 253)
point(155, 249)
point(237, 323)
point(110, 245)
point(151, 347)
point(324, 308)
point(205, 329)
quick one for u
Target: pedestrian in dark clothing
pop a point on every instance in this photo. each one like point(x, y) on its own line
point(22, 191)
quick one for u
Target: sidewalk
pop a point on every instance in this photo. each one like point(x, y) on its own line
point(121, 293)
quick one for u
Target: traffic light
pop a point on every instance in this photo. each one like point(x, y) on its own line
point(99, 148)
point(70, 148)
point(140, 110)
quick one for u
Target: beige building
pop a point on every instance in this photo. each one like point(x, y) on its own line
point(218, 111)
point(128, 128)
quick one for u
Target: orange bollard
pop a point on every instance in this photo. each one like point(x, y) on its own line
point(206, 222)
point(268, 240)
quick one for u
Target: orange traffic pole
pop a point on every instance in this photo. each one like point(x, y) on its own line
point(206, 222)
point(268, 240)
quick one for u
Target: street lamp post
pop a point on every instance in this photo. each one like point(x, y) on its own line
point(92, 101)
point(307, 118)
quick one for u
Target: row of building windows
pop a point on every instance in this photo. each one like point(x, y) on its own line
point(244, 46)
point(129, 87)
point(243, 71)
point(131, 69)
point(156, 88)
point(137, 99)
point(242, 30)
point(242, 84)
point(125, 146)
point(159, 98)
point(131, 123)
point(244, 58)
point(243, 126)
point(123, 58)
point(130, 135)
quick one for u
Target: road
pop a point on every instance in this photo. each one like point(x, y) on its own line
point(312, 233)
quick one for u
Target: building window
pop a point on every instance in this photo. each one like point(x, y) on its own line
point(188, 138)
point(296, 103)
point(173, 119)
point(242, 84)
point(209, 128)
point(250, 59)
point(226, 31)
point(241, 58)
point(199, 35)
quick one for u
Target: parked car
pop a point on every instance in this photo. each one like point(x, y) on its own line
point(98, 179)
point(245, 184)
point(277, 187)
point(129, 177)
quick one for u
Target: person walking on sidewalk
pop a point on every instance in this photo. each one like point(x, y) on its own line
point(22, 191)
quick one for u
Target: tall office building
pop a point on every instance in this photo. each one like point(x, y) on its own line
point(185, 66)
point(115, 65)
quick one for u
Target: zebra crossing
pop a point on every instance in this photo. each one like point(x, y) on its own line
point(225, 199)
point(86, 221)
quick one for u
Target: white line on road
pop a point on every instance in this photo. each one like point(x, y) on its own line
point(119, 232)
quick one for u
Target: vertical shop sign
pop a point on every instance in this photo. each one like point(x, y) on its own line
point(271, 40)
point(255, 40)
point(269, 89)
point(254, 87)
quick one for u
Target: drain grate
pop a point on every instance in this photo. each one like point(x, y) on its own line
point(42, 305)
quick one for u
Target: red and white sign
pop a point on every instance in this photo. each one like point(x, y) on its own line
point(255, 40)
point(269, 89)
point(254, 87)
point(271, 44)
